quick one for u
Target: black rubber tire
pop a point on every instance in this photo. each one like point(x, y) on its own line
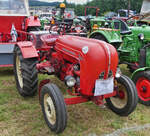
point(132, 98)
point(60, 107)
point(145, 74)
point(29, 74)
point(100, 37)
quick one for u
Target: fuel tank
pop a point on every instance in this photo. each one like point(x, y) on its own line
point(94, 56)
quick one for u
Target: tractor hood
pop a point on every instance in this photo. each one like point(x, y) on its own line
point(94, 56)
point(141, 29)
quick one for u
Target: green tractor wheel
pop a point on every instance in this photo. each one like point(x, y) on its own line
point(142, 81)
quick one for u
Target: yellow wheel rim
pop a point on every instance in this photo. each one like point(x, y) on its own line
point(50, 109)
point(19, 73)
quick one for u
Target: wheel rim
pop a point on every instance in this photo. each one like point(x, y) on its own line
point(143, 87)
point(50, 109)
point(121, 99)
point(19, 72)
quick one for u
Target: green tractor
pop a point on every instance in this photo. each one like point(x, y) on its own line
point(104, 29)
point(133, 45)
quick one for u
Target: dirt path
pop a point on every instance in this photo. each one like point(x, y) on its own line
point(130, 129)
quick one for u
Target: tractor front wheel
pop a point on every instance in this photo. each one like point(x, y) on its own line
point(142, 81)
point(25, 74)
point(126, 99)
point(53, 108)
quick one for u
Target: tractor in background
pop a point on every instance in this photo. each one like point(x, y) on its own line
point(133, 45)
point(14, 18)
point(65, 22)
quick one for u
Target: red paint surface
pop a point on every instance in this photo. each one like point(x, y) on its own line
point(7, 21)
point(92, 63)
point(28, 49)
point(143, 88)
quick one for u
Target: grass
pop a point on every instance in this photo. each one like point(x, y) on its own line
point(23, 117)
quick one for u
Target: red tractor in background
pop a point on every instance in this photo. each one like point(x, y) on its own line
point(88, 67)
point(14, 17)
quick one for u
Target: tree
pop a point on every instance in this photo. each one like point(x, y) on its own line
point(108, 5)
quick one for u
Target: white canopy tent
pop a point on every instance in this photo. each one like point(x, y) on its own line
point(145, 7)
point(14, 7)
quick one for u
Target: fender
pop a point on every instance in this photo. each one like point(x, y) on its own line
point(97, 32)
point(33, 21)
point(108, 36)
point(28, 49)
point(139, 70)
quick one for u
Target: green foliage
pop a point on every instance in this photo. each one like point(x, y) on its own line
point(107, 5)
point(39, 3)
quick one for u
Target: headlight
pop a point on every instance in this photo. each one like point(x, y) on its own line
point(70, 81)
point(141, 36)
point(118, 73)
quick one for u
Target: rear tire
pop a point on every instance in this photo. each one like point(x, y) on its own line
point(53, 108)
point(26, 74)
point(126, 99)
point(100, 37)
point(142, 81)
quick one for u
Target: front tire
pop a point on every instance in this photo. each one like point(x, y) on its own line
point(26, 74)
point(53, 108)
point(126, 99)
point(142, 82)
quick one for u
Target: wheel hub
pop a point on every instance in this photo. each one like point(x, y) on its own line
point(143, 87)
point(121, 94)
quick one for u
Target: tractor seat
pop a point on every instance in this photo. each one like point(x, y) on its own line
point(49, 39)
point(124, 27)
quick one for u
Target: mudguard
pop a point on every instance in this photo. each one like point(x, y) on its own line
point(139, 70)
point(107, 35)
point(28, 49)
point(99, 33)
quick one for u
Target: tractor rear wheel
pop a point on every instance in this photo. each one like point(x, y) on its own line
point(142, 82)
point(100, 37)
point(126, 99)
point(53, 108)
point(26, 74)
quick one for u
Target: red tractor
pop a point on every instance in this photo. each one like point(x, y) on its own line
point(88, 67)
point(14, 17)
